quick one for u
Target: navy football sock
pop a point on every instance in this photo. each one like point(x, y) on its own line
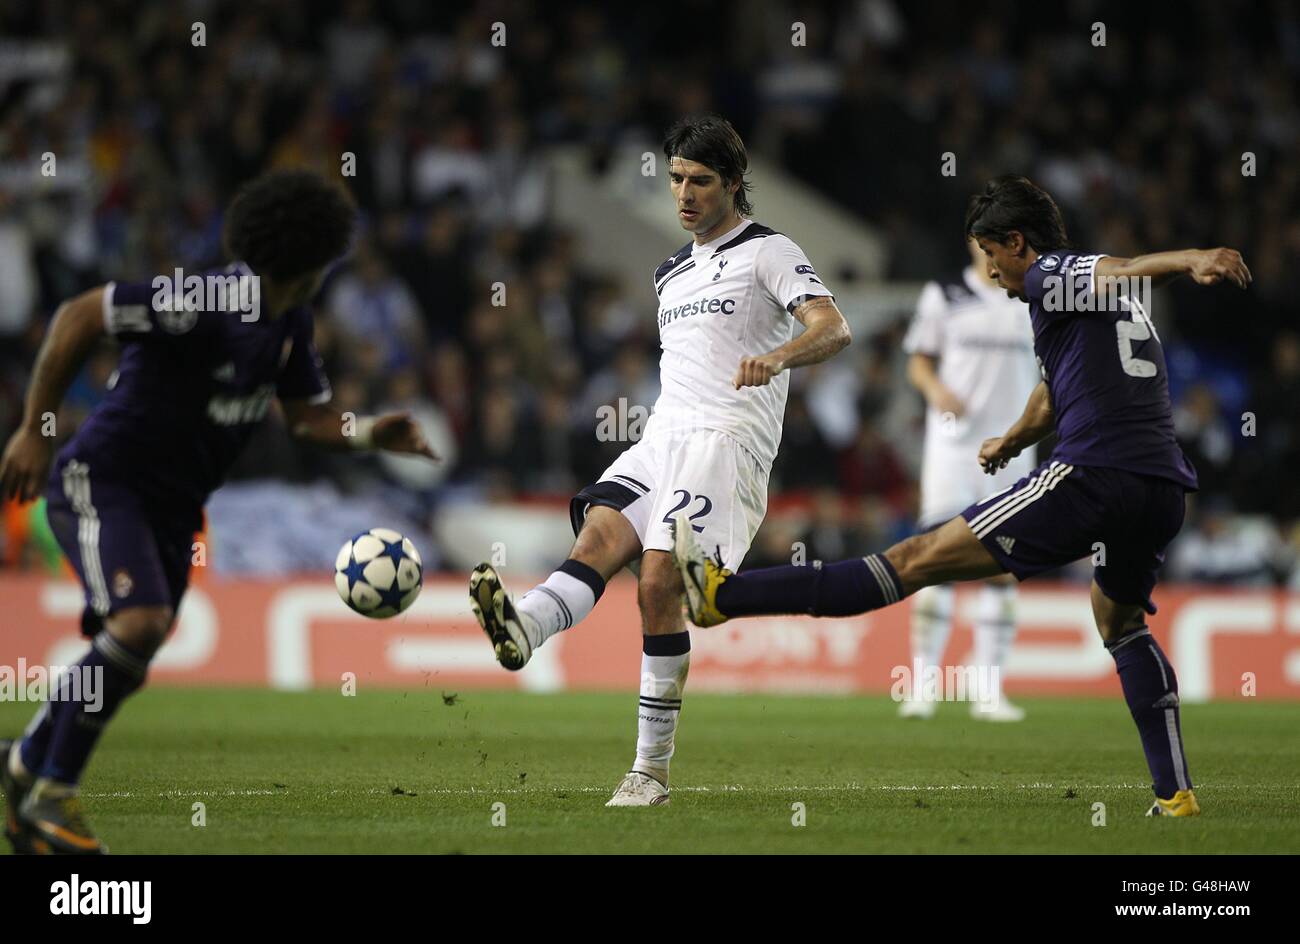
point(1151, 690)
point(843, 588)
point(109, 673)
point(35, 743)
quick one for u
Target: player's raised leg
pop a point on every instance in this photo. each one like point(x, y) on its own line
point(1151, 690)
point(606, 544)
point(844, 588)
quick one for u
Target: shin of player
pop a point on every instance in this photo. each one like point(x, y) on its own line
point(665, 662)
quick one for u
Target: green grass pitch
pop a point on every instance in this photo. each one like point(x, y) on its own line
point(387, 771)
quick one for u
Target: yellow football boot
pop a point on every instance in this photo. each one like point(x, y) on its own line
point(1183, 803)
point(702, 576)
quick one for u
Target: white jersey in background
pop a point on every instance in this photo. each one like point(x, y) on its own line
point(719, 302)
point(985, 347)
point(707, 448)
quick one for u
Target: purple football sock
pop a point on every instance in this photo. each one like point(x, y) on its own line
point(843, 588)
point(1151, 690)
point(108, 674)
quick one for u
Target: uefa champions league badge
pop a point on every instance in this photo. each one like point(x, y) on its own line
point(1048, 263)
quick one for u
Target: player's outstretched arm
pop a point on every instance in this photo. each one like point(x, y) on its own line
point(826, 334)
point(321, 425)
point(73, 333)
point(1206, 266)
point(1032, 427)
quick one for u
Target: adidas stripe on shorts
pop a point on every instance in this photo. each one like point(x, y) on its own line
point(1061, 513)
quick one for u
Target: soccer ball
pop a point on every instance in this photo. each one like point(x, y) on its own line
point(378, 573)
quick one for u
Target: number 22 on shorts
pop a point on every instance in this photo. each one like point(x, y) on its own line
point(685, 498)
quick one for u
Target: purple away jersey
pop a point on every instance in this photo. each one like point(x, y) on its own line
point(190, 388)
point(1105, 370)
point(126, 494)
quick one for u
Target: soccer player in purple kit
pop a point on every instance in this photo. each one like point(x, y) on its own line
point(126, 494)
point(1113, 489)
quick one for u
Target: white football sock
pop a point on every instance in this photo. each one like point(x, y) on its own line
point(931, 626)
point(563, 600)
point(663, 679)
point(995, 628)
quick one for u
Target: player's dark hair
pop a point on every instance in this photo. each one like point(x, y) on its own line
point(287, 223)
point(1011, 202)
point(712, 141)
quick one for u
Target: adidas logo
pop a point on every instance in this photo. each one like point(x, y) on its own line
point(1168, 701)
point(1005, 542)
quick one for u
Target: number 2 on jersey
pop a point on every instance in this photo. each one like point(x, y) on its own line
point(1139, 329)
point(686, 499)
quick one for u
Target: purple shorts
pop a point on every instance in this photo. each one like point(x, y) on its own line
point(1061, 513)
point(126, 550)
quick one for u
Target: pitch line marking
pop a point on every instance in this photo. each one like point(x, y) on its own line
point(723, 788)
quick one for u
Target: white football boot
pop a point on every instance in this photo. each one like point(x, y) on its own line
point(500, 620)
point(638, 789)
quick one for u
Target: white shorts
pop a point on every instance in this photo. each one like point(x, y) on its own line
point(718, 483)
point(952, 480)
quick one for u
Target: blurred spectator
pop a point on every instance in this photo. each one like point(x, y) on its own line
point(1219, 547)
point(871, 467)
point(800, 462)
point(372, 307)
point(1204, 436)
point(828, 536)
point(776, 543)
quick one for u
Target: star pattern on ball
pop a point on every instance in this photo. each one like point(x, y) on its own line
point(354, 571)
point(393, 550)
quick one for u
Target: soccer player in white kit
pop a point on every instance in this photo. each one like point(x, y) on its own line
point(727, 304)
point(971, 356)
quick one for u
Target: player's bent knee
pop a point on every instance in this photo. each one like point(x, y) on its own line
point(1119, 626)
point(1115, 620)
point(607, 541)
point(142, 628)
point(945, 555)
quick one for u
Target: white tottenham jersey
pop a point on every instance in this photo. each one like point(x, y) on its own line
point(726, 299)
point(985, 345)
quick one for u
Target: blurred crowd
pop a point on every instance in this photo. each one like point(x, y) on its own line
point(1178, 130)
